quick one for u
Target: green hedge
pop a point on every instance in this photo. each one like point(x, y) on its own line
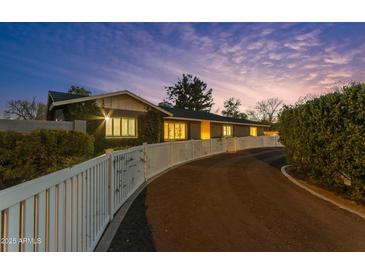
point(325, 137)
point(24, 156)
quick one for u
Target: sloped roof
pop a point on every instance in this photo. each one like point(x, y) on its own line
point(57, 96)
point(201, 115)
point(63, 98)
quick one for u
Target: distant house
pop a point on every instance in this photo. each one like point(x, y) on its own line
point(123, 109)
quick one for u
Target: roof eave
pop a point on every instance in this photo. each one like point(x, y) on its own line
point(215, 121)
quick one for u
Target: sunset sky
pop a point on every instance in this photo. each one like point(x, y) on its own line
point(249, 61)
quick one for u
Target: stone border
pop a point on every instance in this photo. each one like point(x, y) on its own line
point(340, 205)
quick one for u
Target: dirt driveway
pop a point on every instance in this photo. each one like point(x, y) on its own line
point(236, 202)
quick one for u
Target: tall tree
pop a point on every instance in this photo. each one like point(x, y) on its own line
point(81, 111)
point(190, 93)
point(79, 91)
point(266, 110)
point(26, 110)
point(231, 109)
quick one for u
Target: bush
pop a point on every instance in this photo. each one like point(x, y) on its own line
point(325, 137)
point(151, 127)
point(24, 156)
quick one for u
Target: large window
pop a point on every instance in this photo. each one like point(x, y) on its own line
point(227, 130)
point(174, 131)
point(253, 131)
point(121, 127)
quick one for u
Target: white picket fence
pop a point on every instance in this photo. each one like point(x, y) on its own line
point(68, 210)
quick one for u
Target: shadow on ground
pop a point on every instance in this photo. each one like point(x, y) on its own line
point(275, 158)
point(134, 233)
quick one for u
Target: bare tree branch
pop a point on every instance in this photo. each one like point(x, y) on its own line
point(266, 110)
point(26, 110)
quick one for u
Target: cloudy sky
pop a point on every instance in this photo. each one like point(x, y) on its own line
point(249, 61)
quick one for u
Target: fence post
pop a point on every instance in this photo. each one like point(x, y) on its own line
point(192, 149)
point(109, 153)
point(210, 146)
point(145, 159)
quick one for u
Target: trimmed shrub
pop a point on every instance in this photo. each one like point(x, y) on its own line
point(151, 127)
point(325, 138)
point(24, 156)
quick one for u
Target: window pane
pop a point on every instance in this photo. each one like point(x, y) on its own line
point(180, 131)
point(171, 131)
point(183, 131)
point(253, 131)
point(116, 126)
point(132, 127)
point(109, 127)
point(227, 130)
point(165, 131)
point(124, 126)
point(174, 131)
point(177, 131)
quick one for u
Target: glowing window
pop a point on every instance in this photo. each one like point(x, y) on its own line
point(131, 127)
point(109, 127)
point(121, 127)
point(124, 126)
point(253, 131)
point(174, 131)
point(227, 130)
point(116, 126)
point(205, 130)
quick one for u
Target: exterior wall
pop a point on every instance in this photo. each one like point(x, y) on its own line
point(123, 102)
point(241, 131)
point(260, 131)
point(194, 130)
point(122, 113)
point(215, 130)
point(29, 125)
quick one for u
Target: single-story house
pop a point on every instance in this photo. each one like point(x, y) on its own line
point(122, 110)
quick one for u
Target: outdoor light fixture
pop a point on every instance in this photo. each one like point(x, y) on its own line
point(107, 118)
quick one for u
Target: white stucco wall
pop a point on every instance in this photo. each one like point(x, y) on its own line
point(29, 125)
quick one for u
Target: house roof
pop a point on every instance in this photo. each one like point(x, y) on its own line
point(186, 114)
point(63, 98)
point(57, 96)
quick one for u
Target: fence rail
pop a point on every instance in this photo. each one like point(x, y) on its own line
point(68, 210)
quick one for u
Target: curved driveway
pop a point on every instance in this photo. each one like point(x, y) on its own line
point(242, 202)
